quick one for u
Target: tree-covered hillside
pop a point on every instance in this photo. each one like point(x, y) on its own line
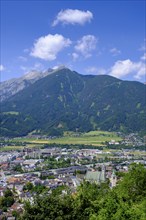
point(127, 201)
point(66, 100)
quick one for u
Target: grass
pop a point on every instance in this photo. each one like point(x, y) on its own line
point(95, 138)
point(9, 148)
point(96, 133)
point(11, 113)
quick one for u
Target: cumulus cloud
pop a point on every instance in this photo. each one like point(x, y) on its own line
point(143, 57)
point(23, 59)
point(114, 51)
point(86, 45)
point(55, 67)
point(125, 67)
point(101, 71)
point(2, 68)
point(95, 70)
point(121, 68)
point(75, 56)
point(143, 46)
point(141, 70)
point(60, 66)
point(70, 16)
point(92, 69)
point(24, 68)
point(47, 47)
point(37, 66)
point(26, 50)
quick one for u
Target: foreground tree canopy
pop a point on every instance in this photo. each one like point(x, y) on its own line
point(95, 202)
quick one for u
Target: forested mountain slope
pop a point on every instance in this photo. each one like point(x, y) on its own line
point(66, 100)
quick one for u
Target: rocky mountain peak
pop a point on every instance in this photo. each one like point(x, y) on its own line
point(11, 87)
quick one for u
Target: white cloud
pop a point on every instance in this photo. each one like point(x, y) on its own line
point(121, 68)
point(37, 66)
point(101, 71)
point(2, 68)
point(75, 56)
point(24, 59)
point(143, 46)
point(92, 69)
point(114, 51)
point(125, 67)
point(24, 68)
point(57, 67)
point(47, 47)
point(26, 50)
point(143, 57)
point(70, 16)
point(141, 70)
point(86, 45)
point(95, 70)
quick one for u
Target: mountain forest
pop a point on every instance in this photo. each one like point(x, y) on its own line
point(65, 100)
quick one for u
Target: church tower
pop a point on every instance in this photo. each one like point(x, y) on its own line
point(113, 179)
point(3, 178)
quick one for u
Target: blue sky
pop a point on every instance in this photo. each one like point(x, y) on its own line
point(91, 37)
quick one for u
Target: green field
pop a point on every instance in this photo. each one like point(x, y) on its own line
point(95, 138)
point(10, 113)
point(9, 148)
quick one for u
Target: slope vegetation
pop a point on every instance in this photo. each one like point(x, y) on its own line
point(66, 100)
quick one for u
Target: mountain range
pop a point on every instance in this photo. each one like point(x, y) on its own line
point(12, 86)
point(58, 100)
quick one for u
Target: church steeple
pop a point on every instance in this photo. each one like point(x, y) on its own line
point(3, 178)
point(102, 174)
point(113, 179)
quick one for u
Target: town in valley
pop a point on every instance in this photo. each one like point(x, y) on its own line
point(27, 170)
